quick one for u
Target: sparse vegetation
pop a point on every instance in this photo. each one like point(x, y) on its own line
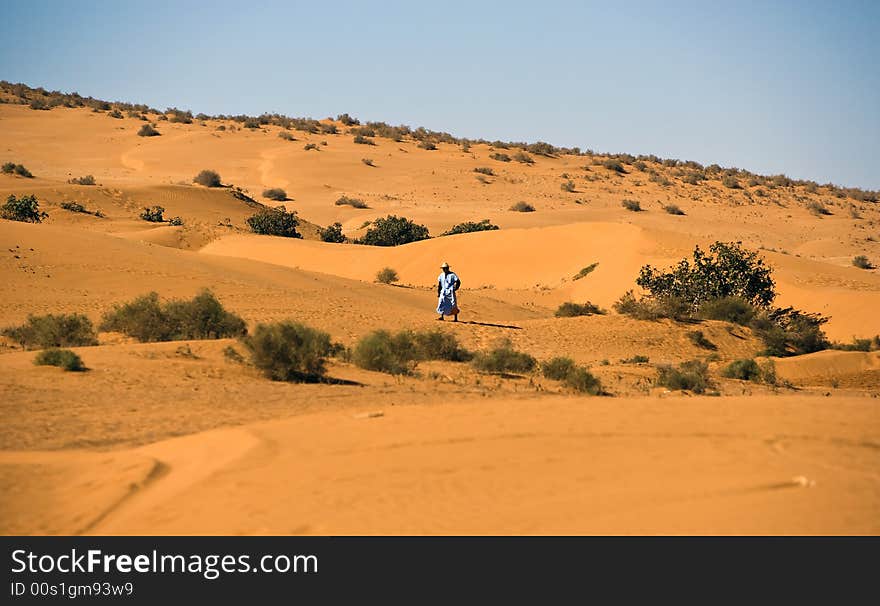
point(523, 157)
point(699, 339)
point(287, 136)
point(730, 182)
point(87, 180)
point(153, 214)
point(275, 193)
point(500, 157)
point(332, 233)
point(11, 168)
point(362, 140)
point(614, 165)
point(504, 359)
point(673, 209)
point(744, 370)
point(311, 146)
point(636, 359)
point(692, 376)
point(274, 222)
point(394, 231)
point(818, 209)
point(469, 227)
point(632, 205)
point(61, 330)
point(147, 130)
point(208, 178)
point(289, 351)
point(485, 170)
point(428, 145)
point(585, 271)
point(25, 209)
point(557, 368)
point(523, 207)
point(387, 276)
point(397, 354)
point(368, 161)
point(74, 207)
point(148, 320)
point(62, 358)
point(862, 262)
point(353, 202)
point(567, 186)
point(571, 310)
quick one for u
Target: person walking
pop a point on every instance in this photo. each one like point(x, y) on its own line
point(448, 284)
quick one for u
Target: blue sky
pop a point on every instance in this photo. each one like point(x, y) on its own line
point(790, 87)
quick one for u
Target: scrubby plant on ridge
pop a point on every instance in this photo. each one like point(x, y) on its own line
point(289, 351)
point(470, 227)
point(585, 271)
point(147, 130)
point(274, 222)
point(353, 202)
point(53, 330)
point(275, 193)
point(208, 178)
point(62, 358)
point(394, 231)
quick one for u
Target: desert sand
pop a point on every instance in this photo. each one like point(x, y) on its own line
point(172, 438)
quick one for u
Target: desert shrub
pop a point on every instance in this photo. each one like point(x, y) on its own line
point(274, 222)
point(692, 375)
point(332, 233)
point(673, 209)
point(585, 271)
point(384, 352)
point(862, 262)
point(571, 310)
point(87, 180)
point(147, 130)
point(368, 161)
point(470, 227)
point(208, 178)
point(818, 209)
point(871, 344)
point(632, 205)
point(147, 319)
point(428, 145)
point(62, 358)
point(347, 120)
point(523, 157)
point(728, 270)
point(614, 165)
point(790, 332)
point(438, 345)
point(329, 129)
point(311, 146)
point(286, 136)
point(10, 168)
point(353, 202)
point(387, 276)
point(394, 231)
point(699, 339)
point(74, 207)
point(567, 186)
point(175, 221)
point(483, 179)
point(504, 359)
point(116, 114)
point(639, 166)
point(275, 193)
point(582, 380)
point(153, 214)
point(289, 351)
point(62, 330)
point(179, 116)
point(652, 308)
point(744, 370)
point(25, 209)
point(557, 368)
point(500, 157)
point(636, 359)
point(485, 170)
point(659, 180)
point(692, 178)
point(362, 140)
point(730, 182)
point(523, 207)
point(728, 309)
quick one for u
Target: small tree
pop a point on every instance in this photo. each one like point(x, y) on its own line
point(289, 351)
point(25, 209)
point(394, 231)
point(333, 233)
point(208, 178)
point(153, 214)
point(387, 276)
point(274, 222)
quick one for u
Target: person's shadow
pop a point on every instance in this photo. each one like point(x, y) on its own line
point(475, 323)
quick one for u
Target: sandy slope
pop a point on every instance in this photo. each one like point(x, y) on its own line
point(176, 438)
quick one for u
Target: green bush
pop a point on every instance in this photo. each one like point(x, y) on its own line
point(699, 339)
point(10, 168)
point(571, 310)
point(504, 359)
point(650, 308)
point(147, 130)
point(332, 233)
point(25, 209)
point(692, 376)
point(353, 202)
point(728, 309)
point(154, 214)
point(523, 207)
point(275, 193)
point(274, 222)
point(862, 262)
point(148, 320)
point(582, 380)
point(62, 358)
point(585, 271)
point(744, 370)
point(394, 231)
point(387, 276)
point(557, 368)
point(470, 227)
point(439, 345)
point(384, 352)
point(208, 178)
point(790, 332)
point(62, 330)
point(289, 351)
point(632, 205)
point(74, 207)
point(673, 209)
point(87, 180)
